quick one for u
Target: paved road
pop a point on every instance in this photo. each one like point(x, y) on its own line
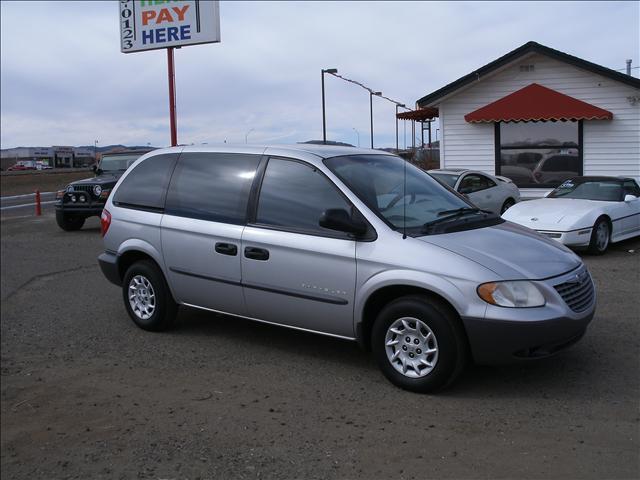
point(85, 394)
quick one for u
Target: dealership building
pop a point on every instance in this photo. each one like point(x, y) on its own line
point(56, 156)
point(538, 116)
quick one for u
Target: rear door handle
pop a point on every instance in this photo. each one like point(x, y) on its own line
point(256, 253)
point(227, 249)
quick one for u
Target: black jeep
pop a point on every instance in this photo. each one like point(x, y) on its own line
point(86, 198)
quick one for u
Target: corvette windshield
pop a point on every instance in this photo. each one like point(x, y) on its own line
point(599, 190)
point(379, 181)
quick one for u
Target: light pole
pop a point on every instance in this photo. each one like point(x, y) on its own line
point(246, 136)
point(324, 118)
point(371, 94)
point(358, 134)
point(403, 106)
point(95, 152)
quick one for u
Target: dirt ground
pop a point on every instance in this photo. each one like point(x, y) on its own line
point(43, 181)
point(85, 394)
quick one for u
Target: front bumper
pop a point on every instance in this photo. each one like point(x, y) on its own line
point(496, 342)
point(506, 335)
point(574, 238)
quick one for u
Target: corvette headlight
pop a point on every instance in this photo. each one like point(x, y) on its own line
point(514, 294)
point(97, 190)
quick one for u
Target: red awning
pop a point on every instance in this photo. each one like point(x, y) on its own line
point(419, 115)
point(537, 103)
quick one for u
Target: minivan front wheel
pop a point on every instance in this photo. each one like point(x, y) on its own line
point(418, 344)
point(147, 297)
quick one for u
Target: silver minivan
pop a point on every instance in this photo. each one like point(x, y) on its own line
point(352, 243)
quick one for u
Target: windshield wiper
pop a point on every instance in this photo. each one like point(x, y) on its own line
point(450, 215)
point(459, 210)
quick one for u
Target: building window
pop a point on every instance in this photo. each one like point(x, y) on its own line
point(539, 154)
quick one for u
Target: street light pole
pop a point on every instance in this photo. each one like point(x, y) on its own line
point(246, 135)
point(324, 118)
point(95, 151)
point(358, 134)
point(371, 94)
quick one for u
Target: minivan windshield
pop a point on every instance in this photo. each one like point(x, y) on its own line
point(420, 201)
point(118, 162)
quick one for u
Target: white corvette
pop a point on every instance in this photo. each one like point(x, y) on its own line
point(584, 212)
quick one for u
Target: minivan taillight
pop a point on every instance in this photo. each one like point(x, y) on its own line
point(105, 222)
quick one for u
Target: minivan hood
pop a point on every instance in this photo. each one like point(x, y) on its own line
point(510, 250)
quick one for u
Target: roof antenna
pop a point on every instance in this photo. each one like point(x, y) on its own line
point(404, 201)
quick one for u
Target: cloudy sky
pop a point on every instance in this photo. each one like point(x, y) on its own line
point(65, 82)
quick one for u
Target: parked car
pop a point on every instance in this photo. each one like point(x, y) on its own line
point(18, 167)
point(86, 198)
point(496, 194)
point(554, 168)
point(317, 238)
point(584, 212)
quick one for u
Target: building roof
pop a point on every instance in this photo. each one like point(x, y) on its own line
point(537, 103)
point(527, 48)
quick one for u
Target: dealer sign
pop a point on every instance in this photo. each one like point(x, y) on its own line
point(153, 24)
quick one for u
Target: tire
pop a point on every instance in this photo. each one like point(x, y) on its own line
point(151, 306)
point(69, 223)
point(600, 237)
point(508, 203)
point(441, 343)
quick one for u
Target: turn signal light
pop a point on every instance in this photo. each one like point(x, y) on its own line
point(105, 222)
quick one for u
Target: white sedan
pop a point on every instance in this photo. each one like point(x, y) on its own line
point(496, 194)
point(584, 212)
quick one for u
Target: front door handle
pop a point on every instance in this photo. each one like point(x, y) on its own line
point(256, 253)
point(227, 249)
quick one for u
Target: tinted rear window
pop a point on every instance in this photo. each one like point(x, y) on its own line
point(212, 186)
point(146, 185)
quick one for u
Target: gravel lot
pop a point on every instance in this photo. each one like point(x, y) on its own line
point(85, 394)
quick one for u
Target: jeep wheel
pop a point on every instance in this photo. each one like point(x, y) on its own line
point(67, 222)
point(147, 297)
point(419, 344)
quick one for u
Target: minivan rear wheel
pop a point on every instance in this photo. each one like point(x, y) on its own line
point(147, 297)
point(419, 344)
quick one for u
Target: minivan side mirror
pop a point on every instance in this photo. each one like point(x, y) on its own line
point(340, 220)
point(630, 198)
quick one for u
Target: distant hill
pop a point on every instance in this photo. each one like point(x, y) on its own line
point(108, 148)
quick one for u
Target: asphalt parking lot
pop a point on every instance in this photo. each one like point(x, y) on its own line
point(86, 394)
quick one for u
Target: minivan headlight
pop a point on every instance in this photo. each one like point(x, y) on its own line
point(514, 294)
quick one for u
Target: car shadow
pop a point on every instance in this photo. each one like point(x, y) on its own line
point(564, 372)
point(245, 333)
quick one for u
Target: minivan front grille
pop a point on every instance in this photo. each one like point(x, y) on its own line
point(577, 293)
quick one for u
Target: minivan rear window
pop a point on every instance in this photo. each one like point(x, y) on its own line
point(146, 185)
point(212, 186)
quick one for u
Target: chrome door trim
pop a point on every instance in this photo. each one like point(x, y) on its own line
point(341, 337)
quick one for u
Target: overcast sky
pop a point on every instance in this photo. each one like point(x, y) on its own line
point(65, 82)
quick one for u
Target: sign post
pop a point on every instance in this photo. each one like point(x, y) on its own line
point(170, 24)
point(172, 98)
